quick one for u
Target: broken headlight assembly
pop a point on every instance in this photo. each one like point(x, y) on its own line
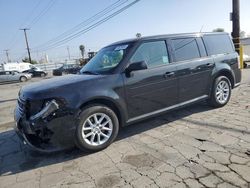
point(48, 109)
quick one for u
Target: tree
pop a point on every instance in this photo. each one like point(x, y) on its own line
point(219, 30)
point(82, 49)
point(26, 60)
point(138, 35)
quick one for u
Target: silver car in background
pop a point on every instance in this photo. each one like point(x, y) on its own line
point(13, 76)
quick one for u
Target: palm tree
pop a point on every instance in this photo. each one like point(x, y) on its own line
point(138, 35)
point(82, 49)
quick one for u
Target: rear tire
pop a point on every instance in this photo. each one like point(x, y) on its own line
point(43, 75)
point(23, 79)
point(97, 128)
point(221, 92)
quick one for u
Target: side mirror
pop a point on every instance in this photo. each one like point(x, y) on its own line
point(141, 65)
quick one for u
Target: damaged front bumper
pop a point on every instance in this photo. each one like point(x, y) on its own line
point(51, 129)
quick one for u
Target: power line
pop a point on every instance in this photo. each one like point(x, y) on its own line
point(15, 38)
point(35, 20)
point(31, 13)
point(94, 25)
point(90, 27)
point(85, 22)
point(42, 13)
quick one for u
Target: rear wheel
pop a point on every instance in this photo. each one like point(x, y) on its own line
point(221, 92)
point(43, 75)
point(97, 128)
point(23, 79)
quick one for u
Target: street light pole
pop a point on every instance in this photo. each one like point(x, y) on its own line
point(7, 55)
point(68, 52)
point(236, 24)
point(27, 44)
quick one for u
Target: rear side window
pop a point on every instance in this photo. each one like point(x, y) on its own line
point(153, 53)
point(185, 49)
point(218, 44)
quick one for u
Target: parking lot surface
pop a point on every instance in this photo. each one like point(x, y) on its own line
point(197, 146)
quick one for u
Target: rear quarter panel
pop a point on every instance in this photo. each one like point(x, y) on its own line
point(227, 63)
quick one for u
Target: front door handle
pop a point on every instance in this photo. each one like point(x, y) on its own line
point(169, 74)
point(210, 64)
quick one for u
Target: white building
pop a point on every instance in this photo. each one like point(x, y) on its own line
point(246, 45)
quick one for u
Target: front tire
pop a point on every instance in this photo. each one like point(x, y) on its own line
point(97, 128)
point(23, 79)
point(221, 92)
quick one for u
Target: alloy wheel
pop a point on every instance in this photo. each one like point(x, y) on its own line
point(222, 91)
point(97, 129)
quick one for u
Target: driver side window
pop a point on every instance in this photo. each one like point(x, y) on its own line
point(153, 53)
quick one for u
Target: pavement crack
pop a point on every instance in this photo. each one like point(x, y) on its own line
point(247, 153)
point(201, 140)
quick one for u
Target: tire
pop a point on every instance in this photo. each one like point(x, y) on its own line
point(23, 79)
point(43, 75)
point(219, 97)
point(87, 140)
point(244, 65)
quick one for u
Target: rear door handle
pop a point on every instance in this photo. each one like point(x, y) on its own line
point(169, 74)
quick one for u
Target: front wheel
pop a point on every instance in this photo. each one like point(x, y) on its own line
point(97, 128)
point(221, 92)
point(23, 79)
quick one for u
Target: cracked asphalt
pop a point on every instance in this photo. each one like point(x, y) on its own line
point(197, 146)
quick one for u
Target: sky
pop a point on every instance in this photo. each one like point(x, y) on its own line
point(148, 17)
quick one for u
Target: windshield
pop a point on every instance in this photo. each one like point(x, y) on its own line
point(105, 60)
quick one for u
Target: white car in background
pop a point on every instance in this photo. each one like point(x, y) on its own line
point(19, 67)
point(246, 59)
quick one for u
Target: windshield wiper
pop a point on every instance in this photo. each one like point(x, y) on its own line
point(89, 72)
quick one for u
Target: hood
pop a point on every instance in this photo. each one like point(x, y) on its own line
point(55, 86)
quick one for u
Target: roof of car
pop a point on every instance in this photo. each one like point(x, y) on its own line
point(168, 36)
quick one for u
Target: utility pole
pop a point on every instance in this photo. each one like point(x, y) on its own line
point(27, 44)
point(235, 17)
point(68, 52)
point(7, 55)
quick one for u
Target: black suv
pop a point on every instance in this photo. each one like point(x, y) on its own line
point(36, 72)
point(124, 83)
point(66, 69)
